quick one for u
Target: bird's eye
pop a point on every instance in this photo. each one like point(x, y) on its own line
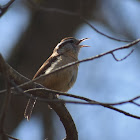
point(71, 41)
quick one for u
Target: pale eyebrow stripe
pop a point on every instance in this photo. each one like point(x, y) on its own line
point(63, 42)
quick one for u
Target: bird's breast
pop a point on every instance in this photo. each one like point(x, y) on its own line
point(61, 80)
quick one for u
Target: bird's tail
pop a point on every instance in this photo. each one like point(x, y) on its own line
point(29, 108)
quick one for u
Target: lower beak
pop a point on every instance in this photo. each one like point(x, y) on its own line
point(81, 46)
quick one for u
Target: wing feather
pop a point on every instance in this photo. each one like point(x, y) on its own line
point(46, 65)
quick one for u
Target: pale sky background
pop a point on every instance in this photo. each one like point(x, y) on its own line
point(103, 80)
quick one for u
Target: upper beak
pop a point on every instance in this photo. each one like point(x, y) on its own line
point(81, 40)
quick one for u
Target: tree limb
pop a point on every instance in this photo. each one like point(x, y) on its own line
point(59, 108)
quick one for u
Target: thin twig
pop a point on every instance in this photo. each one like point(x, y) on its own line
point(69, 13)
point(123, 57)
point(43, 92)
point(95, 29)
point(4, 8)
point(79, 97)
point(11, 137)
point(135, 103)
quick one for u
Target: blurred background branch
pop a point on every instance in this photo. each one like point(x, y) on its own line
point(4, 8)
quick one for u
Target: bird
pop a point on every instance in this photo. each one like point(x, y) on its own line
point(64, 53)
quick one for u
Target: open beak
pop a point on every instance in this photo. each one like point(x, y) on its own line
point(81, 40)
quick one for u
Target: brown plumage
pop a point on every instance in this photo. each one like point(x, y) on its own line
point(65, 52)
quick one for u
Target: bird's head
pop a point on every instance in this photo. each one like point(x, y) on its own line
point(70, 46)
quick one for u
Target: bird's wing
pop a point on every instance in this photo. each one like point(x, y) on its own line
point(46, 65)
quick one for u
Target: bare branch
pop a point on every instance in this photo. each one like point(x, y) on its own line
point(11, 137)
point(69, 13)
point(122, 58)
point(4, 8)
point(135, 103)
point(41, 93)
point(95, 29)
point(73, 96)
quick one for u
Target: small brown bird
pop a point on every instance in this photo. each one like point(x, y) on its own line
point(65, 52)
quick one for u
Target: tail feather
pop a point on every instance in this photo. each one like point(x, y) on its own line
point(29, 108)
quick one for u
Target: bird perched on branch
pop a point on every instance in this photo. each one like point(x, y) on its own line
point(65, 52)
